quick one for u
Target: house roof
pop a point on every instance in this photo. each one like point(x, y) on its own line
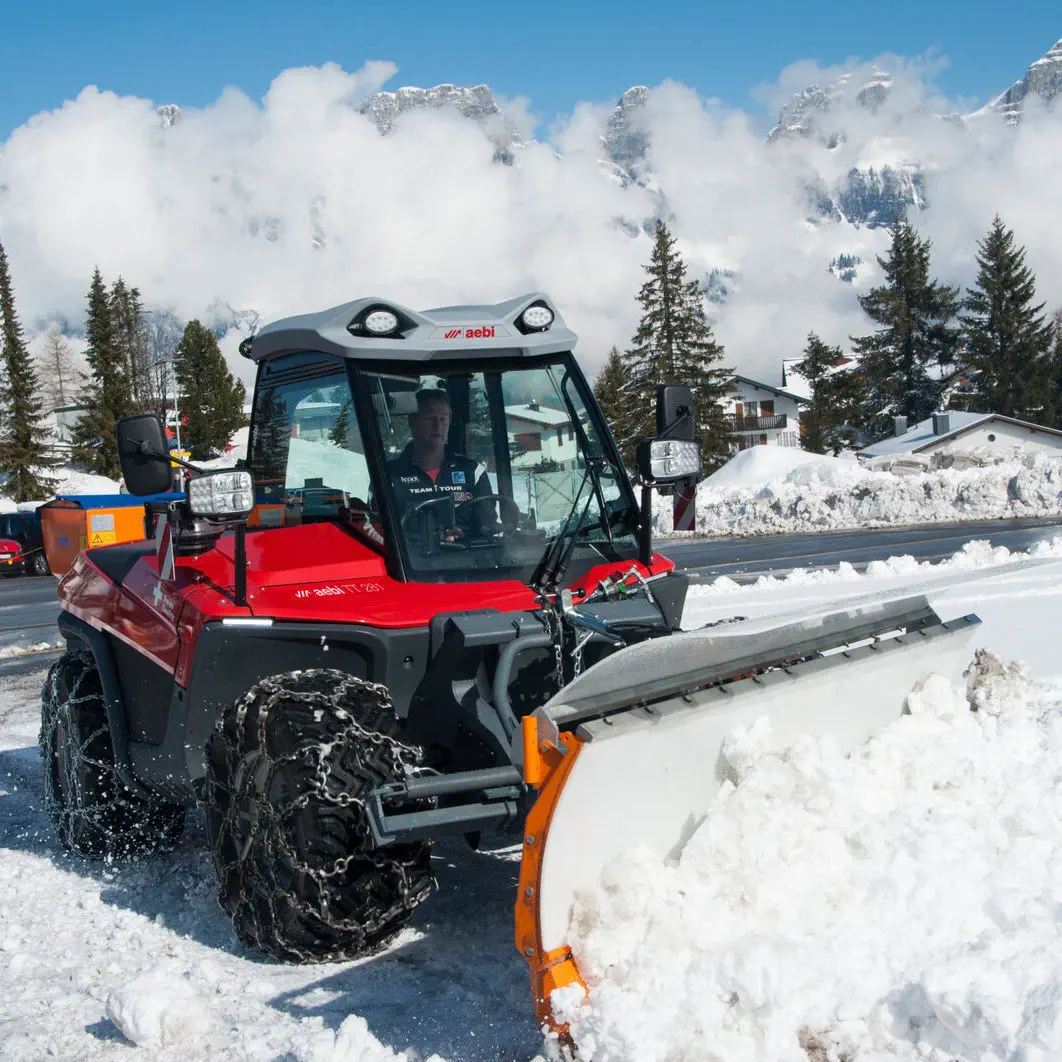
point(767, 387)
point(920, 436)
point(541, 415)
point(792, 380)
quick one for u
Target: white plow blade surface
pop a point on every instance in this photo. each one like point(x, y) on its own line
point(647, 778)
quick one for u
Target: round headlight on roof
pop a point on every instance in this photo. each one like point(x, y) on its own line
point(381, 322)
point(537, 317)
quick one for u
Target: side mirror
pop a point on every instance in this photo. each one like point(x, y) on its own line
point(675, 454)
point(675, 412)
point(141, 442)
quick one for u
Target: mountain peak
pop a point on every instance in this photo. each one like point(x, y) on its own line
point(1043, 79)
point(806, 112)
point(623, 142)
point(476, 102)
point(169, 114)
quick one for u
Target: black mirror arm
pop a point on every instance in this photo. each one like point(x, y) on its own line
point(682, 418)
point(142, 446)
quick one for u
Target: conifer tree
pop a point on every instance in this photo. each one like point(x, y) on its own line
point(612, 389)
point(340, 433)
point(211, 399)
point(904, 360)
point(833, 417)
point(131, 338)
point(1008, 339)
point(24, 445)
point(60, 379)
point(674, 344)
point(1056, 370)
point(107, 396)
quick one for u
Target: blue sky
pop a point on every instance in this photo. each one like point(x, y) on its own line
point(553, 52)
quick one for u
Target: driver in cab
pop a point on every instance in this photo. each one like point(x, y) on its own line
point(428, 469)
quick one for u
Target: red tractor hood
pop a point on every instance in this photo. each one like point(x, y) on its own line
point(10, 545)
point(324, 573)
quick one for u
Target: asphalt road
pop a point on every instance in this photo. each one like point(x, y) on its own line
point(28, 604)
point(27, 617)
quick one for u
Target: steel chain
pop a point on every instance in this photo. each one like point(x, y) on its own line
point(324, 784)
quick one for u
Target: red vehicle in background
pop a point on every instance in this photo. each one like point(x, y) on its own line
point(11, 559)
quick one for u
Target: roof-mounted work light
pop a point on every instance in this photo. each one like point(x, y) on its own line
point(378, 321)
point(536, 318)
point(381, 322)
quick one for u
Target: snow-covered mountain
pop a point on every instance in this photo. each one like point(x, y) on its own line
point(477, 103)
point(875, 196)
point(385, 108)
point(848, 137)
point(625, 140)
point(812, 111)
point(871, 195)
point(1043, 79)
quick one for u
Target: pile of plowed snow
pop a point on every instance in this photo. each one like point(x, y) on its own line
point(767, 490)
point(901, 903)
point(974, 555)
point(760, 465)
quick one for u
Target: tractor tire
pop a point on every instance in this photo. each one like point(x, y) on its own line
point(288, 769)
point(93, 811)
point(40, 564)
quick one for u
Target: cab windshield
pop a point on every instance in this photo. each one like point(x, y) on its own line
point(486, 469)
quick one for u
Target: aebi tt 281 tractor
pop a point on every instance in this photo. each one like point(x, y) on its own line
point(425, 604)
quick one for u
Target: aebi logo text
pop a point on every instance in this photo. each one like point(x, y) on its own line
point(486, 332)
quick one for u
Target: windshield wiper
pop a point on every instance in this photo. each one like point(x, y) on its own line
point(556, 556)
point(591, 458)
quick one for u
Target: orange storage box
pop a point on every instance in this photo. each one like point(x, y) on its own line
point(75, 522)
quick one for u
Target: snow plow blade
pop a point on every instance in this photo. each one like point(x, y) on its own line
point(629, 754)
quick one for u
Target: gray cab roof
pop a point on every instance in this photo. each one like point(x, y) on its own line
point(426, 335)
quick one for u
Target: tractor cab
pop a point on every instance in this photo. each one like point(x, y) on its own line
point(479, 457)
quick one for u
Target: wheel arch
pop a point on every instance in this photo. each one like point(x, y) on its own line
point(79, 635)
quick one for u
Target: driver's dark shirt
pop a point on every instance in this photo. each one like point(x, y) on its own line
point(458, 476)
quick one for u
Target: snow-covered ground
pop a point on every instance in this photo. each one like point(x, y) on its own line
point(66, 481)
point(901, 904)
point(773, 489)
point(84, 943)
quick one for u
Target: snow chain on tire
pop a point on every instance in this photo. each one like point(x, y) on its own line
point(288, 769)
point(92, 810)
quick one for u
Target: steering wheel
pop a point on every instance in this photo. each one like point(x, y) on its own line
point(416, 510)
point(513, 512)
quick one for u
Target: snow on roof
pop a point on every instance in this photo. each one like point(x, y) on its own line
point(539, 414)
point(921, 436)
point(735, 379)
point(792, 380)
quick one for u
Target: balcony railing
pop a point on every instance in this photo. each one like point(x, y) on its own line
point(741, 424)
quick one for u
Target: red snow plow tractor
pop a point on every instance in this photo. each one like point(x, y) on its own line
point(425, 604)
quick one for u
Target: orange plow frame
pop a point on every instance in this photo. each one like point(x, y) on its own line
point(548, 760)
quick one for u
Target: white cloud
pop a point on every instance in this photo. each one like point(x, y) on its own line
point(297, 203)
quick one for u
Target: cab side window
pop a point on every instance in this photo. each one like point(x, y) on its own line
point(306, 450)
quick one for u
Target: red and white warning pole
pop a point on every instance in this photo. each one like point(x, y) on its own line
point(684, 508)
point(164, 546)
